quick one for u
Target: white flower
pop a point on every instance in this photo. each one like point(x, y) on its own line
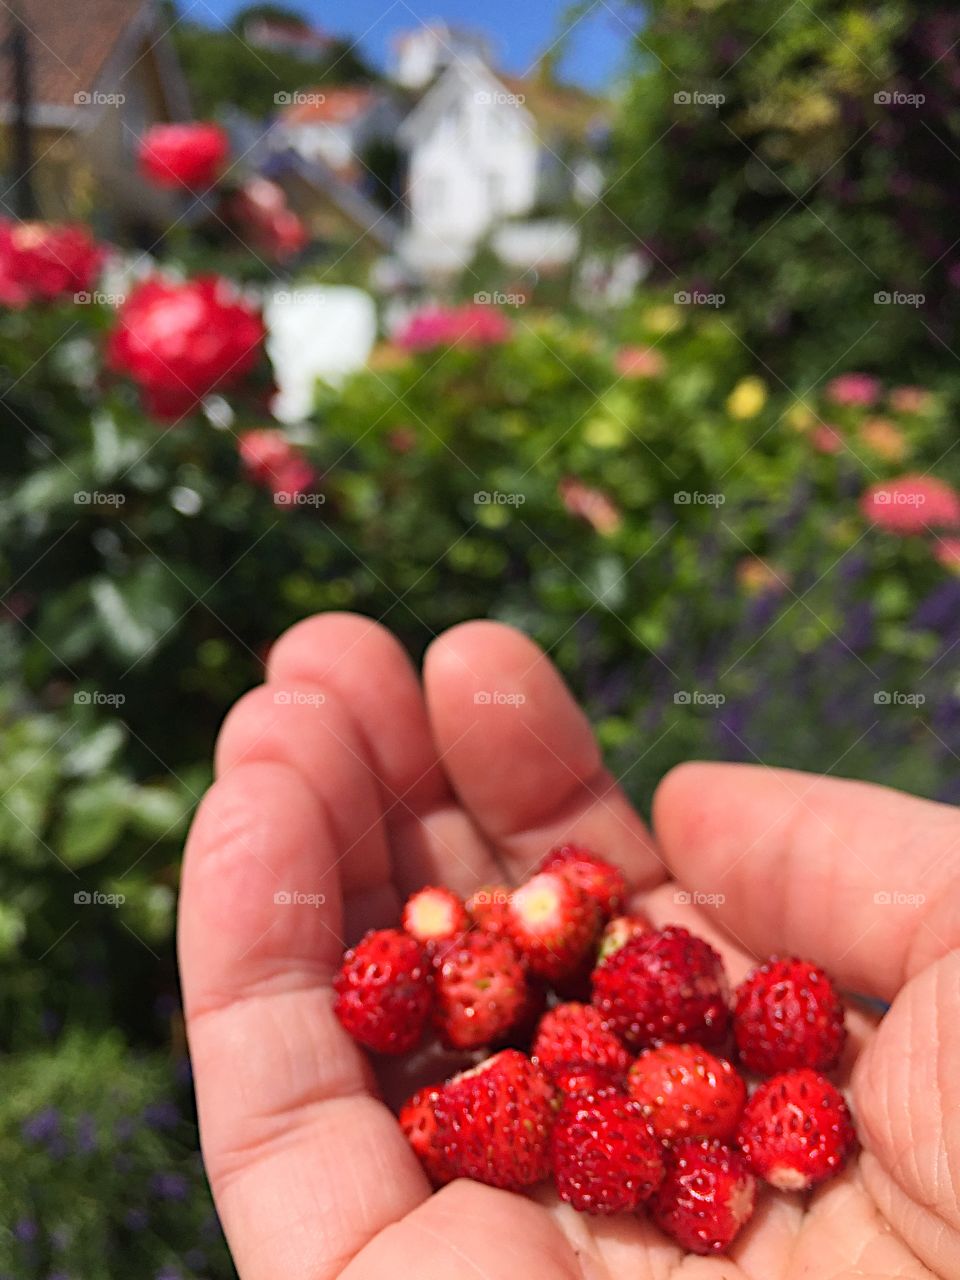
point(316, 332)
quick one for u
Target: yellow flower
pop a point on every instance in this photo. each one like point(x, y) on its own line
point(747, 398)
point(605, 433)
point(800, 416)
point(662, 319)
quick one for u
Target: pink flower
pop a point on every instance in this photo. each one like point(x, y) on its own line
point(909, 399)
point(911, 504)
point(592, 505)
point(183, 155)
point(472, 325)
point(270, 460)
point(947, 552)
point(180, 341)
point(826, 439)
point(639, 362)
point(854, 389)
point(260, 213)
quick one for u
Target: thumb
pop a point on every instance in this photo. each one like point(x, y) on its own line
point(907, 1100)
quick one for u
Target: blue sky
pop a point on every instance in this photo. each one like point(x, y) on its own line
point(521, 28)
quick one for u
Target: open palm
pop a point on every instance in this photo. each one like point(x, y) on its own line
point(343, 784)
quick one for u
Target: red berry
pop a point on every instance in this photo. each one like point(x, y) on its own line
point(686, 1092)
point(433, 914)
point(618, 931)
point(383, 993)
point(418, 1120)
point(553, 923)
point(576, 1035)
point(796, 1130)
point(787, 1014)
point(599, 879)
point(582, 1081)
point(663, 985)
point(480, 989)
point(706, 1197)
point(494, 1122)
point(605, 1157)
point(489, 908)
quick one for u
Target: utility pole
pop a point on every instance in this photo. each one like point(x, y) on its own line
point(23, 198)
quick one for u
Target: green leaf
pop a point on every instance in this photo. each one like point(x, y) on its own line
point(93, 818)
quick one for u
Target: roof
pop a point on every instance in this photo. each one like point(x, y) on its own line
point(469, 75)
point(330, 105)
point(559, 109)
point(70, 44)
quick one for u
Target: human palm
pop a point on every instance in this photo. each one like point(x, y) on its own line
point(343, 779)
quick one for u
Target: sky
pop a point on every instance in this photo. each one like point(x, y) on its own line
point(521, 29)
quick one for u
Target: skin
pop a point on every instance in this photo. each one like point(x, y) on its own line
point(387, 783)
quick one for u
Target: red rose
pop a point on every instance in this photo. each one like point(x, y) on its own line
point(270, 460)
point(181, 341)
point(183, 155)
point(40, 261)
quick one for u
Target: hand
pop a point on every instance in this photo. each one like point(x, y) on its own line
point(341, 777)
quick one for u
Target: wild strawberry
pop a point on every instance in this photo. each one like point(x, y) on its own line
point(605, 1157)
point(553, 923)
point(494, 1122)
point(618, 931)
point(432, 914)
point(418, 1120)
point(663, 985)
point(480, 989)
point(580, 1080)
point(787, 1014)
point(599, 879)
point(707, 1195)
point(383, 993)
point(576, 1035)
point(489, 908)
point(686, 1092)
point(796, 1130)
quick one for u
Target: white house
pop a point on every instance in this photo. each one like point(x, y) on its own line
point(473, 160)
point(420, 55)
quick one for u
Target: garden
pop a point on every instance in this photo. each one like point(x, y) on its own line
point(729, 510)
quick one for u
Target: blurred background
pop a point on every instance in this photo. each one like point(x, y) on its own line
point(634, 326)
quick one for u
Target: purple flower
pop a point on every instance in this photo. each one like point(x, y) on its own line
point(170, 1186)
point(161, 1115)
point(42, 1127)
point(86, 1135)
point(25, 1230)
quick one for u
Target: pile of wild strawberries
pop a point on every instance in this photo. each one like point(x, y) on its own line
point(623, 1100)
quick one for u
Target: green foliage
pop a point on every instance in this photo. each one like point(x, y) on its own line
point(806, 191)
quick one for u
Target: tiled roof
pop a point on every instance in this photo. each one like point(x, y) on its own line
point(330, 106)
